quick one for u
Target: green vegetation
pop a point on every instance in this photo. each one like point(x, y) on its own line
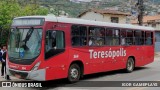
point(12, 8)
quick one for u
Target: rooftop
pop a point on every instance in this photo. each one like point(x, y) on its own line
point(147, 19)
point(114, 12)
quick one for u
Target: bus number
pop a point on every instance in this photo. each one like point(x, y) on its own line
point(75, 56)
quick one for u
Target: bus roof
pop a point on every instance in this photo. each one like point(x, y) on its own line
point(89, 22)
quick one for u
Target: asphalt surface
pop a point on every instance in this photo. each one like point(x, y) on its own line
point(149, 72)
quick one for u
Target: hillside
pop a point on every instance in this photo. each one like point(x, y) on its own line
point(74, 9)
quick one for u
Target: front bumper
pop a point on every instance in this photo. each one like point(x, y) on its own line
point(38, 75)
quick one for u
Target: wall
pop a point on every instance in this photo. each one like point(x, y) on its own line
point(122, 18)
point(92, 16)
point(157, 26)
point(105, 17)
point(157, 43)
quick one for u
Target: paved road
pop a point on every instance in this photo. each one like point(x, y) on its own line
point(149, 72)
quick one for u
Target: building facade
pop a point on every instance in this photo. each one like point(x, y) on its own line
point(152, 21)
point(105, 16)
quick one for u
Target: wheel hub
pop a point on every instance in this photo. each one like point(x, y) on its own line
point(130, 65)
point(74, 73)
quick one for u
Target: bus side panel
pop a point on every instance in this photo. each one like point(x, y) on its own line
point(96, 61)
point(117, 61)
point(147, 54)
point(82, 54)
point(137, 52)
point(57, 66)
point(150, 54)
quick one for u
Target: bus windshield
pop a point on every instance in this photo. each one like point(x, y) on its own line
point(24, 43)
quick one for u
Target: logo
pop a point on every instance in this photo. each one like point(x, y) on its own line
point(6, 84)
point(75, 56)
point(21, 84)
point(21, 52)
point(13, 66)
point(108, 53)
point(23, 68)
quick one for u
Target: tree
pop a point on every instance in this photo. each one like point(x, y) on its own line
point(10, 9)
point(7, 12)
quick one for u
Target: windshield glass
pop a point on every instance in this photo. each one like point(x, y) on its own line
point(24, 43)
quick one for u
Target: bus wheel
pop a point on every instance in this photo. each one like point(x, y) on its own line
point(74, 73)
point(130, 65)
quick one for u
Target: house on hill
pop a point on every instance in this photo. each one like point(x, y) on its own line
point(152, 21)
point(105, 16)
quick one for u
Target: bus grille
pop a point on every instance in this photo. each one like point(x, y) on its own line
point(22, 75)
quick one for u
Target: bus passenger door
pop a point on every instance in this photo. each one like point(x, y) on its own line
point(139, 47)
point(55, 54)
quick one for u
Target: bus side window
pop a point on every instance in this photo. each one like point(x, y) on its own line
point(116, 36)
point(96, 36)
point(148, 38)
point(112, 37)
point(83, 35)
point(50, 40)
point(123, 37)
point(129, 37)
point(54, 43)
point(143, 38)
point(137, 37)
point(109, 37)
point(79, 35)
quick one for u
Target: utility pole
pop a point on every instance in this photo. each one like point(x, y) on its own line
point(141, 11)
point(58, 8)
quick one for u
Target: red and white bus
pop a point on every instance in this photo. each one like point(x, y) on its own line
point(48, 47)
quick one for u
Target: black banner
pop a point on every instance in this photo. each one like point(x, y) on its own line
point(40, 84)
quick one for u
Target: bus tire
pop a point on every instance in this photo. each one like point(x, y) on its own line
point(74, 73)
point(130, 65)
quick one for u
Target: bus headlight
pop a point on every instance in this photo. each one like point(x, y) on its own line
point(36, 66)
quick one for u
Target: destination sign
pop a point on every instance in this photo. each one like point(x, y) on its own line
point(28, 22)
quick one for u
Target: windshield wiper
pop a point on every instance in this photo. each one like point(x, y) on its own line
point(29, 33)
